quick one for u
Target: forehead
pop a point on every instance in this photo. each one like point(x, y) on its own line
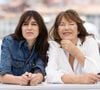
point(67, 19)
point(29, 19)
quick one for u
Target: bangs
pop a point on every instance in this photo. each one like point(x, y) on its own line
point(27, 20)
point(71, 17)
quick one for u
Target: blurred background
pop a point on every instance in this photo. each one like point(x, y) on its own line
point(11, 10)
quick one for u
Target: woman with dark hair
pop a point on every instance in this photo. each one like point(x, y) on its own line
point(23, 53)
point(73, 55)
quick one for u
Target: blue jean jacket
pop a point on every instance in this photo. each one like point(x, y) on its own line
point(16, 58)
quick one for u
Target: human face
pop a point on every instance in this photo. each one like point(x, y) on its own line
point(30, 30)
point(67, 30)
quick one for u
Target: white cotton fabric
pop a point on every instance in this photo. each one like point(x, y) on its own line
point(58, 63)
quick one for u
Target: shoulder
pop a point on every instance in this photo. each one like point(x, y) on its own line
point(9, 41)
point(8, 38)
point(54, 44)
point(90, 39)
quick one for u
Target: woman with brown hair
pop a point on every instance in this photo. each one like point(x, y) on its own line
point(23, 53)
point(73, 53)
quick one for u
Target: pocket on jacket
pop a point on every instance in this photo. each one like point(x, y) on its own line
point(18, 62)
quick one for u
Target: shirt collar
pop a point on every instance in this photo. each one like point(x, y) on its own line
point(79, 42)
point(22, 42)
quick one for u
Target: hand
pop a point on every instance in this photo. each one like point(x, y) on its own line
point(89, 78)
point(69, 47)
point(29, 75)
point(72, 49)
point(23, 79)
point(36, 79)
point(80, 79)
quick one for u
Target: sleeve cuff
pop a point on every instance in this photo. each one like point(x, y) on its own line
point(55, 78)
point(4, 72)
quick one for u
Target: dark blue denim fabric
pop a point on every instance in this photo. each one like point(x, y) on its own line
point(16, 58)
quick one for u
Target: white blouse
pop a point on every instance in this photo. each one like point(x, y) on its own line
point(58, 63)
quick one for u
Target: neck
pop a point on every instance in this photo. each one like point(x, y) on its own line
point(74, 41)
point(30, 44)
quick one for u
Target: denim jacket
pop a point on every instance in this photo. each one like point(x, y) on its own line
point(16, 58)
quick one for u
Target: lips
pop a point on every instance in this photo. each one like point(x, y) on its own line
point(66, 33)
point(29, 33)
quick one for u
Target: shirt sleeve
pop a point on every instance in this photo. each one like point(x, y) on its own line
point(5, 63)
point(92, 56)
point(53, 74)
point(39, 67)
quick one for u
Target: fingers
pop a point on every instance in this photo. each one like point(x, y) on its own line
point(96, 78)
point(23, 81)
point(91, 78)
point(31, 79)
point(36, 79)
point(25, 78)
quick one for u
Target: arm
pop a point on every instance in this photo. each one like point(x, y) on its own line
point(92, 61)
point(72, 49)
point(80, 79)
point(12, 79)
point(87, 54)
point(6, 75)
point(53, 74)
point(38, 72)
point(5, 63)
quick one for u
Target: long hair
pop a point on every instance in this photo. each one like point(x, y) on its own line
point(41, 44)
point(68, 15)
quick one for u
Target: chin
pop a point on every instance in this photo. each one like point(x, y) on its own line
point(30, 38)
point(66, 38)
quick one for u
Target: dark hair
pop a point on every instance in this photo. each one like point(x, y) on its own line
point(69, 15)
point(41, 44)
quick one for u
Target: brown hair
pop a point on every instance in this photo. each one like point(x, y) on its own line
point(41, 44)
point(68, 15)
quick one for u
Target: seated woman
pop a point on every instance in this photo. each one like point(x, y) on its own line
point(23, 53)
point(73, 53)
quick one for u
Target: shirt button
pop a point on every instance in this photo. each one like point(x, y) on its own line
point(33, 64)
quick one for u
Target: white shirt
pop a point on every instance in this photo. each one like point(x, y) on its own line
point(58, 63)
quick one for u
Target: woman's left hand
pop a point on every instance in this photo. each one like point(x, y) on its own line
point(36, 79)
point(69, 47)
point(73, 50)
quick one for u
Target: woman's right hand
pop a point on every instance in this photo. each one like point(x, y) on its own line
point(23, 79)
point(89, 78)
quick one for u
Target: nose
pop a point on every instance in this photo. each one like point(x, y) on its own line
point(66, 27)
point(29, 26)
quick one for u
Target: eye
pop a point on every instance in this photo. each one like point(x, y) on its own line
point(35, 24)
point(71, 23)
point(25, 24)
point(61, 24)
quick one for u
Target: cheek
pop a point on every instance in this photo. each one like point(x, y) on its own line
point(59, 33)
point(23, 33)
point(75, 30)
point(37, 32)
point(60, 28)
